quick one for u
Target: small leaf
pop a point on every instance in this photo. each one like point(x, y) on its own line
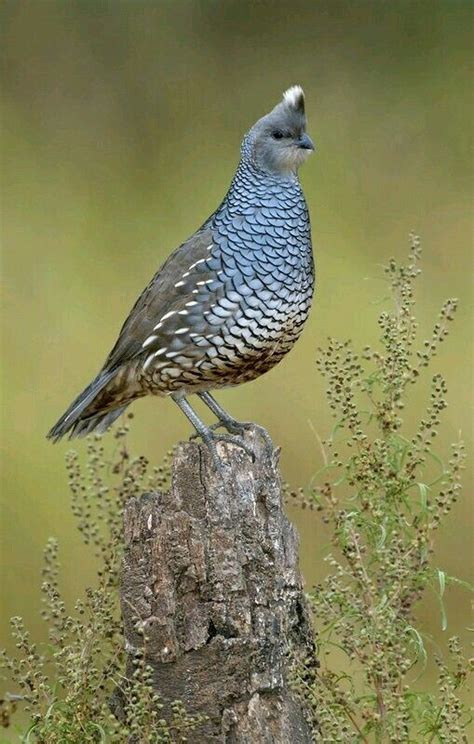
point(421, 654)
point(423, 489)
point(442, 582)
point(442, 586)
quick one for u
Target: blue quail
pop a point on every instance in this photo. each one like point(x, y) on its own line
point(230, 302)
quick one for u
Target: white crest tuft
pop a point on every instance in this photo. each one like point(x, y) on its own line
point(294, 97)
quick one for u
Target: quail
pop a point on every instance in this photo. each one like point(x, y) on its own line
point(230, 302)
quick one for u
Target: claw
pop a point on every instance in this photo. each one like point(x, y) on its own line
point(235, 427)
point(210, 439)
point(240, 427)
point(206, 433)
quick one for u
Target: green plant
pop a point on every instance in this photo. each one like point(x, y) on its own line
point(382, 495)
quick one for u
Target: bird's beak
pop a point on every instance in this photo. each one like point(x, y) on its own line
point(305, 142)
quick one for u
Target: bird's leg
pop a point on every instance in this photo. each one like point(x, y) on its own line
point(229, 423)
point(205, 432)
point(225, 420)
point(202, 430)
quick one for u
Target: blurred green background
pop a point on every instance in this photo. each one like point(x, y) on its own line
point(121, 128)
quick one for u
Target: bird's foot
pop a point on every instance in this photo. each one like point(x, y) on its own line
point(237, 428)
point(232, 426)
point(237, 441)
point(210, 439)
point(240, 427)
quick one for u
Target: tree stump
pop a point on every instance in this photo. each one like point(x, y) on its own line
point(210, 574)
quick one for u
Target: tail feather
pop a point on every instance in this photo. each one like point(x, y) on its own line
point(98, 423)
point(77, 421)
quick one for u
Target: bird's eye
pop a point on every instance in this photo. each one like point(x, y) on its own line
point(277, 134)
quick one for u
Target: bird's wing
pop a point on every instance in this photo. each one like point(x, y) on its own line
point(172, 286)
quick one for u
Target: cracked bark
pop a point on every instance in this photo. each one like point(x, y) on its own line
point(211, 572)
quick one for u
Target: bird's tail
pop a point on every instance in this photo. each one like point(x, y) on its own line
point(78, 421)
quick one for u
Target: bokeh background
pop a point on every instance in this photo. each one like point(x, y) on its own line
point(121, 128)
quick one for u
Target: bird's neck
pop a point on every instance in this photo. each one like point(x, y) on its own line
point(251, 180)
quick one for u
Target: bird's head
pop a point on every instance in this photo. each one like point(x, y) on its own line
point(278, 142)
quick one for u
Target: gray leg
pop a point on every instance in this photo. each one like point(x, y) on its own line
point(205, 432)
point(225, 420)
point(229, 423)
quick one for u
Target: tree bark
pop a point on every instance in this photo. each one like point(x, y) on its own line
point(210, 573)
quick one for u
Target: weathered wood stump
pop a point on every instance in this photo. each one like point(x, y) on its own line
point(210, 573)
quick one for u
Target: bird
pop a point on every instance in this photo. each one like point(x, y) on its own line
point(229, 303)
